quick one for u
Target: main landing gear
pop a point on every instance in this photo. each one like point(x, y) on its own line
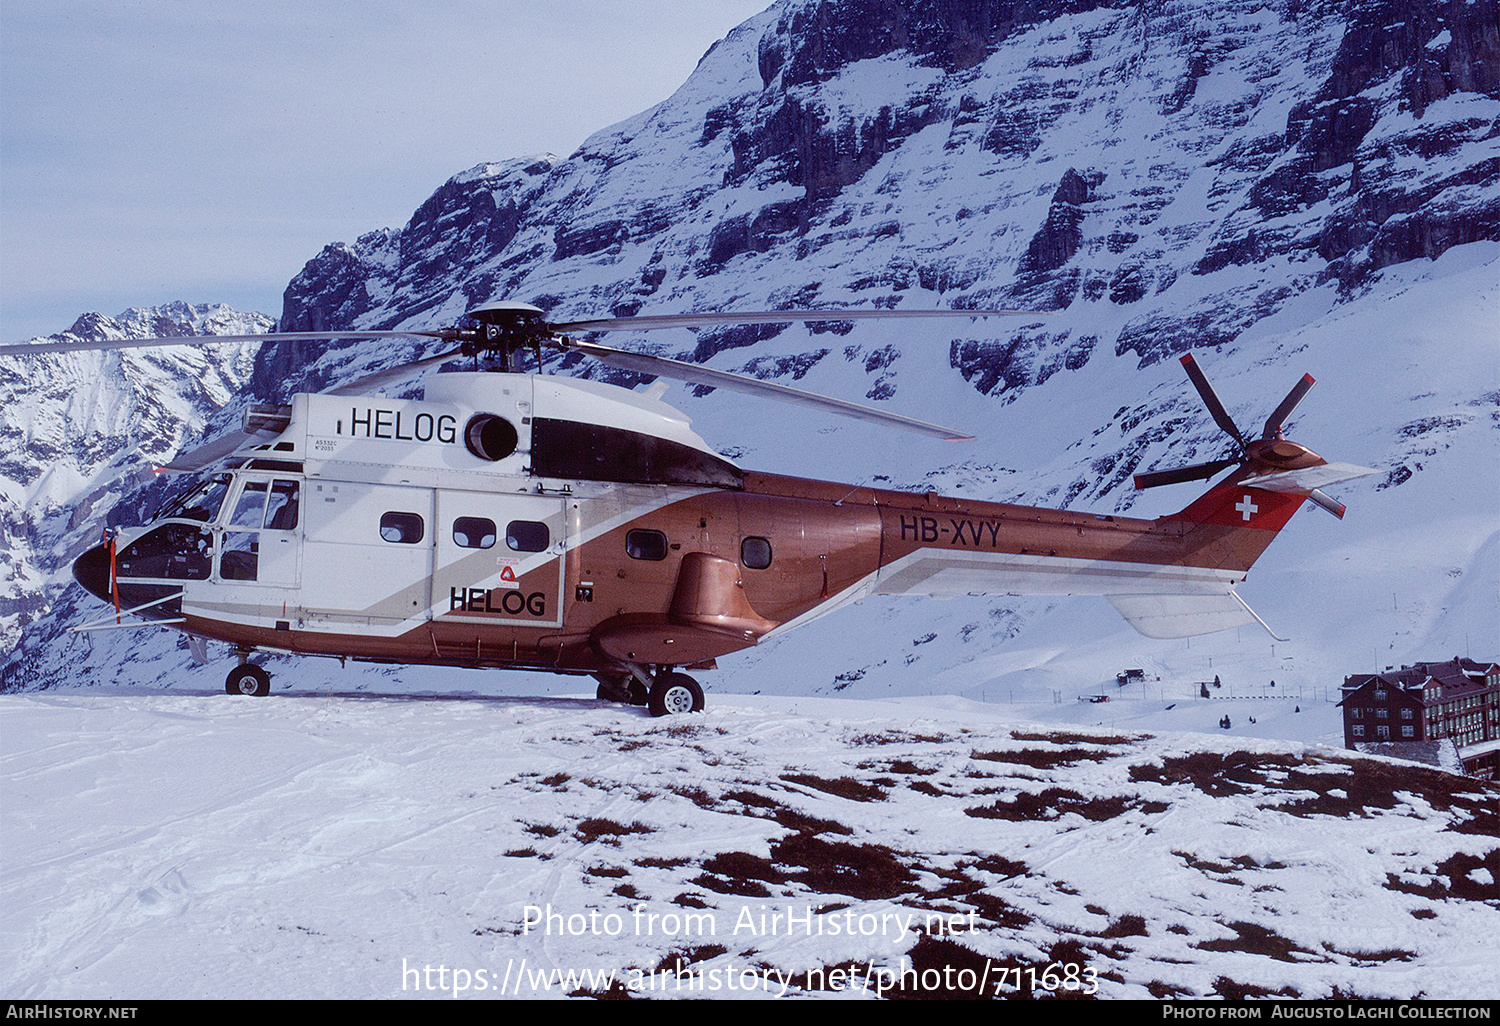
point(247, 678)
point(666, 694)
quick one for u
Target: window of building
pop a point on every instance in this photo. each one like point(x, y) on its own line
point(1406, 714)
point(646, 545)
point(755, 553)
point(1382, 714)
point(402, 528)
point(1381, 694)
point(1408, 732)
point(527, 535)
point(1383, 733)
point(474, 532)
point(1359, 730)
point(1356, 713)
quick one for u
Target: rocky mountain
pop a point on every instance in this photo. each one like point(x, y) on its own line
point(1291, 186)
point(81, 432)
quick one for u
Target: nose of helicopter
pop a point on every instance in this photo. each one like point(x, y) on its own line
point(92, 571)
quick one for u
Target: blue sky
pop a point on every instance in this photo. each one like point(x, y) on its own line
point(153, 150)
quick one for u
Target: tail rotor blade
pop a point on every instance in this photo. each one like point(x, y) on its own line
point(1328, 502)
point(1277, 419)
point(1211, 399)
point(1177, 475)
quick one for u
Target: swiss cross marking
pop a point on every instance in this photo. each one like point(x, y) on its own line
point(1246, 506)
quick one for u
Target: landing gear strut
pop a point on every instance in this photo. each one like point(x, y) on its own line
point(668, 693)
point(623, 689)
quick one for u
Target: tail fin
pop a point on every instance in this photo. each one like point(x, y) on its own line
point(1232, 523)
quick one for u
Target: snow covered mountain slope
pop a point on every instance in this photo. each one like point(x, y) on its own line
point(327, 845)
point(1286, 188)
point(81, 432)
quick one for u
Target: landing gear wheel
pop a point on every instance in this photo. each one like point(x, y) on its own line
point(673, 694)
point(248, 679)
point(638, 693)
point(614, 689)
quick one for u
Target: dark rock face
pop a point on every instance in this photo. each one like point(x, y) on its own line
point(1322, 191)
point(814, 42)
point(387, 277)
point(1060, 237)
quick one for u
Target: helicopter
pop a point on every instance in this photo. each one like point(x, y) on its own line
point(534, 521)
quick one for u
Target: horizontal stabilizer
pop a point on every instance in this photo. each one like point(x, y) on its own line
point(1183, 616)
point(1308, 478)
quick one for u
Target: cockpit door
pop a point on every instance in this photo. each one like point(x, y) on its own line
point(261, 538)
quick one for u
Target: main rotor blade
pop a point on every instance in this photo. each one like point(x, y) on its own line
point(32, 348)
point(1278, 418)
point(1211, 400)
point(400, 372)
point(1177, 475)
point(212, 452)
point(706, 320)
point(668, 368)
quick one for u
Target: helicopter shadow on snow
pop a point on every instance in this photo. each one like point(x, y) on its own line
point(557, 702)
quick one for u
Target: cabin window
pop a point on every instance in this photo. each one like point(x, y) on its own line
point(755, 553)
point(646, 545)
point(402, 528)
point(527, 535)
point(474, 532)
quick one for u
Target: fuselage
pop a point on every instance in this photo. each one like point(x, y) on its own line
point(553, 523)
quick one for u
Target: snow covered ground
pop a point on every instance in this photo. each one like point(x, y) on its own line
point(317, 843)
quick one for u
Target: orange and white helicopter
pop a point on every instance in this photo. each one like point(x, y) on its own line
point(542, 522)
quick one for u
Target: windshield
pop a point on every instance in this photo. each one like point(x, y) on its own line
point(200, 503)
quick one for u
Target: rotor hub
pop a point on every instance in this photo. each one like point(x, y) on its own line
point(505, 327)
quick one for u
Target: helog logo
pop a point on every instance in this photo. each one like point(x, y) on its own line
point(509, 602)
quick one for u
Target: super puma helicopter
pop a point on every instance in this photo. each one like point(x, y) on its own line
point(548, 523)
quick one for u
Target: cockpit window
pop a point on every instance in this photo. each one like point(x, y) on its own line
point(200, 503)
point(177, 552)
point(250, 506)
point(281, 506)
